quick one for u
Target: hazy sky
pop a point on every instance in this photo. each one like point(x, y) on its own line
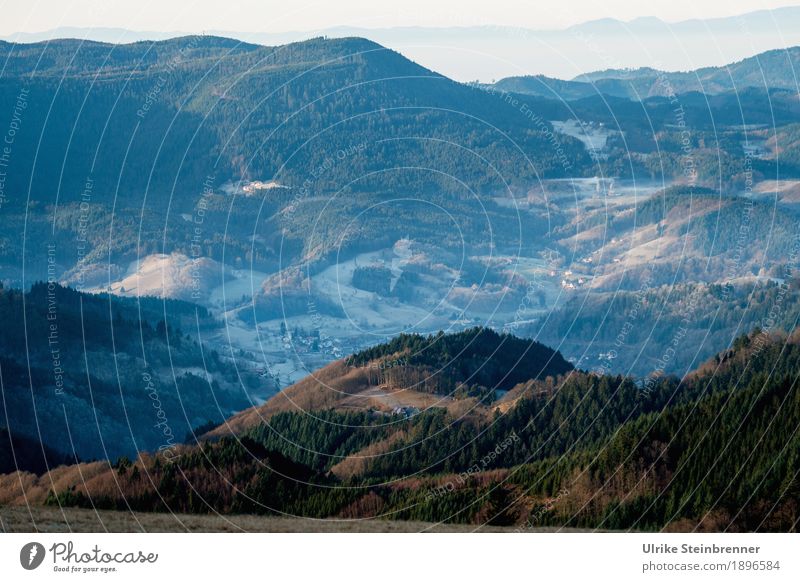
point(291, 15)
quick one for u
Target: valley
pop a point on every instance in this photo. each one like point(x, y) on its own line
point(321, 280)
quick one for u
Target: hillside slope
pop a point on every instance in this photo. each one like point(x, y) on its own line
point(191, 107)
point(775, 69)
point(715, 452)
point(87, 376)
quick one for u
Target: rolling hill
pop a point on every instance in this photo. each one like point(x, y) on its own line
point(461, 371)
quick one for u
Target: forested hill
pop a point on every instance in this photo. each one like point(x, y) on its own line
point(475, 356)
point(320, 112)
point(716, 452)
point(95, 376)
point(774, 69)
point(464, 373)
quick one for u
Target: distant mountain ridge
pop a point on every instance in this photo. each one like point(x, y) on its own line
point(454, 371)
point(178, 124)
point(765, 19)
point(776, 69)
point(496, 51)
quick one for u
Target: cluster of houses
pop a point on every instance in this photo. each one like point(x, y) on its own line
point(572, 280)
point(301, 341)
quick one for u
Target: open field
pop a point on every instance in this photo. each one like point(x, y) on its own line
point(15, 519)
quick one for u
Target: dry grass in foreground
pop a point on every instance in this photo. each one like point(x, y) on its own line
point(53, 520)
